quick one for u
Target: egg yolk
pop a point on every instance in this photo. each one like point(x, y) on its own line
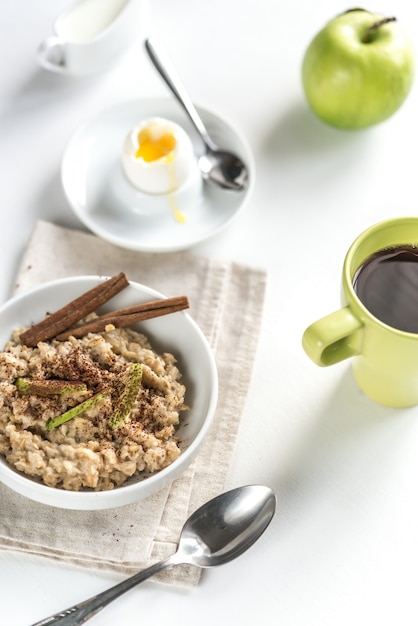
point(154, 145)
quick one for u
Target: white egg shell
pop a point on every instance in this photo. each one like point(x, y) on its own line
point(165, 174)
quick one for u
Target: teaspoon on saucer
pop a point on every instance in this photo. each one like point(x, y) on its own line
point(217, 166)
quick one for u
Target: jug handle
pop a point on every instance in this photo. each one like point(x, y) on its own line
point(51, 54)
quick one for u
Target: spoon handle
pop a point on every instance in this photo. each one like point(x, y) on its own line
point(169, 75)
point(80, 613)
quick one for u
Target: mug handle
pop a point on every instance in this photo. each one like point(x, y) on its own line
point(333, 338)
point(51, 54)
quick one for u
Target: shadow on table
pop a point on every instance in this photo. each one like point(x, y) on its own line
point(297, 133)
point(51, 204)
point(351, 442)
point(43, 89)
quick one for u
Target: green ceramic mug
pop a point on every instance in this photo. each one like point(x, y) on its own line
point(385, 362)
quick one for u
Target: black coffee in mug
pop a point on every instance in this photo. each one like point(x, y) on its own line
point(387, 285)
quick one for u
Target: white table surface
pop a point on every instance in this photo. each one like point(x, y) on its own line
point(343, 546)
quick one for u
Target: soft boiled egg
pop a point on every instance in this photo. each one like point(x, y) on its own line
point(158, 156)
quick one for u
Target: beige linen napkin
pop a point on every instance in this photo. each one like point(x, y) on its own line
point(226, 301)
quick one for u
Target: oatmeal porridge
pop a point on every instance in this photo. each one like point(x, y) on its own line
point(89, 413)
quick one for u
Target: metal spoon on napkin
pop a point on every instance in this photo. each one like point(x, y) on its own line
point(214, 534)
point(217, 166)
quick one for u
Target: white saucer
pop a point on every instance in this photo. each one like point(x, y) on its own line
point(110, 207)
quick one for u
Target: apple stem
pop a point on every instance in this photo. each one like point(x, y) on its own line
point(373, 28)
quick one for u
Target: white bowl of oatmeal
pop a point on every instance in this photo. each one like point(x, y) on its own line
point(55, 453)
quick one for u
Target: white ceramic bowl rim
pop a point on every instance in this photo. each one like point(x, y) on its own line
point(126, 494)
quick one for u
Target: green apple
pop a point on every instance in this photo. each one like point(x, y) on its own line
point(358, 70)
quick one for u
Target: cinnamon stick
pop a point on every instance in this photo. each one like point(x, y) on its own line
point(122, 318)
point(150, 305)
point(74, 311)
